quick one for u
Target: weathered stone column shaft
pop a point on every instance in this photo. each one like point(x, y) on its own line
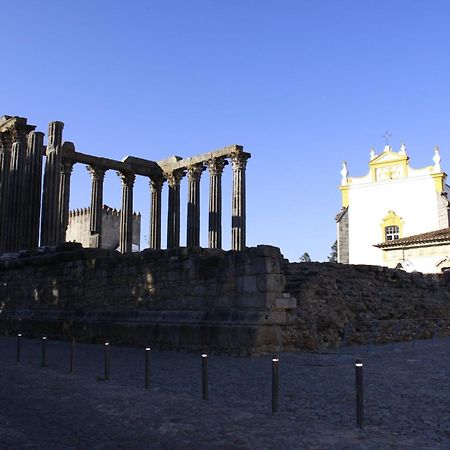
point(16, 192)
point(215, 167)
point(5, 163)
point(173, 210)
point(35, 157)
point(193, 207)
point(51, 224)
point(238, 210)
point(126, 214)
point(155, 213)
point(64, 198)
point(95, 221)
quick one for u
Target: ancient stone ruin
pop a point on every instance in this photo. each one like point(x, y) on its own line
point(23, 226)
point(187, 297)
point(244, 300)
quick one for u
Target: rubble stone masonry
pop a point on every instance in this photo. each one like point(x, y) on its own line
point(238, 302)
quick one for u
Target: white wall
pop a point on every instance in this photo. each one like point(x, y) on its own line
point(413, 199)
point(423, 258)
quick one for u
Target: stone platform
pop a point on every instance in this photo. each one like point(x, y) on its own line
point(186, 298)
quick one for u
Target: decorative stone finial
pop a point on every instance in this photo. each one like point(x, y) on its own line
point(344, 173)
point(402, 149)
point(437, 160)
point(372, 153)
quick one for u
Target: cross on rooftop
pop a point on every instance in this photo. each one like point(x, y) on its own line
point(386, 136)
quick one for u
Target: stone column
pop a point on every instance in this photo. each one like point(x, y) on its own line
point(17, 183)
point(239, 161)
point(126, 214)
point(35, 156)
point(50, 225)
point(5, 161)
point(155, 214)
point(64, 198)
point(215, 167)
point(173, 211)
point(193, 208)
point(95, 223)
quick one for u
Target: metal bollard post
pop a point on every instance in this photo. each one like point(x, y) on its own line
point(107, 361)
point(359, 393)
point(72, 356)
point(19, 347)
point(395, 335)
point(205, 376)
point(44, 352)
point(436, 330)
point(275, 383)
point(147, 368)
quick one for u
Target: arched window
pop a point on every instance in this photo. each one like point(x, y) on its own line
point(391, 227)
point(391, 233)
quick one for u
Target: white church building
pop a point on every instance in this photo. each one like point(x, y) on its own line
point(395, 216)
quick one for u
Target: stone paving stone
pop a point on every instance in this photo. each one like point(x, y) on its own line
point(407, 399)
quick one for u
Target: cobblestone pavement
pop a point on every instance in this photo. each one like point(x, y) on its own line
point(407, 399)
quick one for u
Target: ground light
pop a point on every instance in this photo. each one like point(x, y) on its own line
point(359, 393)
point(275, 383)
point(205, 376)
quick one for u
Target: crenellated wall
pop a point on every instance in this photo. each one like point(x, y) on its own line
point(78, 229)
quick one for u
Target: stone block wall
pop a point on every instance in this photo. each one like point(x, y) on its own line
point(185, 297)
point(365, 303)
point(197, 299)
point(343, 237)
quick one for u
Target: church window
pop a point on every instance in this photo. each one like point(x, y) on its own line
point(391, 227)
point(392, 233)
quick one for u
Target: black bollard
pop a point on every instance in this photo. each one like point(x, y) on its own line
point(275, 383)
point(72, 356)
point(205, 376)
point(44, 352)
point(107, 361)
point(436, 330)
point(147, 368)
point(19, 347)
point(359, 393)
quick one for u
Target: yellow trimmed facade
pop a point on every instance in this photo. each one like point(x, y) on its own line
point(392, 201)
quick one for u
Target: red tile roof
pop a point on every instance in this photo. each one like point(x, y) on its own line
point(423, 238)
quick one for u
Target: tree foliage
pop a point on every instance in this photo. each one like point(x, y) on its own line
point(333, 254)
point(305, 257)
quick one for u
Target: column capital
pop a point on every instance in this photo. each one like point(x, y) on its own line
point(127, 178)
point(174, 177)
point(239, 160)
point(19, 132)
point(67, 167)
point(194, 172)
point(97, 173)
point(5, 141)
point(156, 183)
point(216, 165)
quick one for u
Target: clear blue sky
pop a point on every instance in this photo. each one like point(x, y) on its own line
point(301, 84)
